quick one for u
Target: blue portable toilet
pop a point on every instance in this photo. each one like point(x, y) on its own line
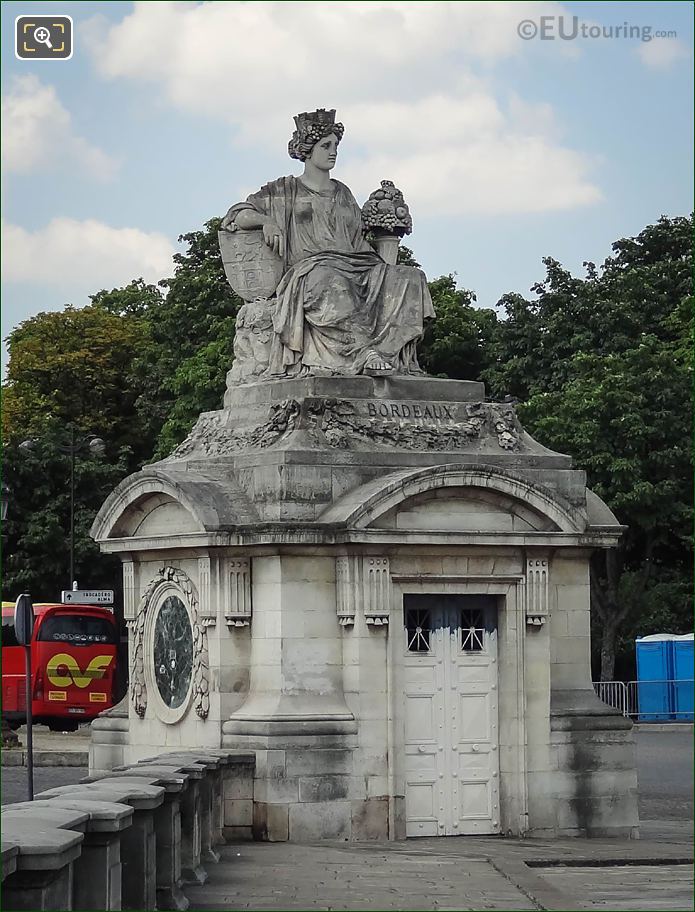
point(682, 647)
point(654, 676)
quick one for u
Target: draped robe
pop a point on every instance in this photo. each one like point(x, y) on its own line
point(337, 301)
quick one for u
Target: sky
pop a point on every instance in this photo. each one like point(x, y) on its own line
point(516, 130)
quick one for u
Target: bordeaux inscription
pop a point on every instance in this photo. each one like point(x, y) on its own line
point(419, 411)
point(417, 425)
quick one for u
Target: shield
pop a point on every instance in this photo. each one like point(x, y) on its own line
point(252, 269)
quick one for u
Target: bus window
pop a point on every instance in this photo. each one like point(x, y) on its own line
point(77, 630)
point(8, 635)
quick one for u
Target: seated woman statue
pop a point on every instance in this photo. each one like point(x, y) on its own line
point(340, 309)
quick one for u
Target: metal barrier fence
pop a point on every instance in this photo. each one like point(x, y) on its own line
point(649, 701)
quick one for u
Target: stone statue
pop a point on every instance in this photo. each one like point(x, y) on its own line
point(320, 300)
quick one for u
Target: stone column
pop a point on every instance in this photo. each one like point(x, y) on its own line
point(592, 747)
point(536, 652)
point(295, 716)
point(364, 607)
point(296, 656)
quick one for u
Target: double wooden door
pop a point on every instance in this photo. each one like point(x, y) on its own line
point(450, 714)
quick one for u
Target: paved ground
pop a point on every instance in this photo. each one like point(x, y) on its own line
point(628, 887)
point(350, 876)
point(665, 770)
point(459, 873)
point(13, 780)
point(503, 874)
point(51, 748)
point(448, 874)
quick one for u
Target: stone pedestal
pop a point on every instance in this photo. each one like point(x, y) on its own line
point(9, 858)
point(97, 872)
point(295, 529)
point(43, 876)
point(138, 849)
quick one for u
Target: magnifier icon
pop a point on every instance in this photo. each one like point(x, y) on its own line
point(43, 36)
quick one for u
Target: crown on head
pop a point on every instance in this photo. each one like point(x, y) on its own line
point(309, 118)
point(311, 126)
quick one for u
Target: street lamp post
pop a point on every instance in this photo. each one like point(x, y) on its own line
point(95, 445)
point(9, 737)
point(4, 501)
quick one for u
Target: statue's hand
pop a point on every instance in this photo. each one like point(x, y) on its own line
point(274, 237)
point(228, 221)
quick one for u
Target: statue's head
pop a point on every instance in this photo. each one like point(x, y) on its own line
point(310, 127)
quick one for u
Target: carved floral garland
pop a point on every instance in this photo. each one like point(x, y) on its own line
point(201, 664)
point(338, 423)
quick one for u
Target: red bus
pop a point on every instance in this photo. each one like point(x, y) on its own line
point(73, 665)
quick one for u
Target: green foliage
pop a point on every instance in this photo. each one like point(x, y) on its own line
point(73, 366)
point(68, 369)
point(197, 386)
point(644, 287)
point(603, 366)
point(136, 299)
point(136, 367)
point(36, 540)
point(406, 257)
point(459, 342)
point(193, 332)
point(625, 419)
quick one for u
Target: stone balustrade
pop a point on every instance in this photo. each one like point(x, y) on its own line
point(126, 839)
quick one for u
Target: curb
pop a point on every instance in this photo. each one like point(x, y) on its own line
point(532, 884)
point(14, 757)
point(663, 726)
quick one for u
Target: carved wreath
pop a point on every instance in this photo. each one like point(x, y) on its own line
point(201, 664)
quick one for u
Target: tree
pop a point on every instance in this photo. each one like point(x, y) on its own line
point(603, 368)
point(458, 344)
point(193, 333)
point(37, 551)
point(74, 367)
point(190, 326)
point(136, 367)
point(67, 370)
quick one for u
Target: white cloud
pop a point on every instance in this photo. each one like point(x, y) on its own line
point(411, 80)
point(38, 133)
point(661, 53)
point(83, 256)
point(489, 176)
point(475, 159)
point(236, 50)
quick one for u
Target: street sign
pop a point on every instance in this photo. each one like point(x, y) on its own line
point(23, 619)
point(87, 596)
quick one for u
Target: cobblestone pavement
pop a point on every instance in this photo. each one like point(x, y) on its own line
point(281, 876)
point(448, 874)
point(13, 780)
point(658, 887)
point(474, 873)
point(452, 874)
point(665, 773)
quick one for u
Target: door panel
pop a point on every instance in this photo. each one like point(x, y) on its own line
point(474, 800)
point(420, 718)
point(474, 717)
point(450, 715)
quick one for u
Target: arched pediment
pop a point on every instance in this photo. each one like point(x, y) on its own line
point(155, 513)
point(158, 502)
point(472, 495)
point(464, 510)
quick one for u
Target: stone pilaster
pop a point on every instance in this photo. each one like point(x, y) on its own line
point(237, 609)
